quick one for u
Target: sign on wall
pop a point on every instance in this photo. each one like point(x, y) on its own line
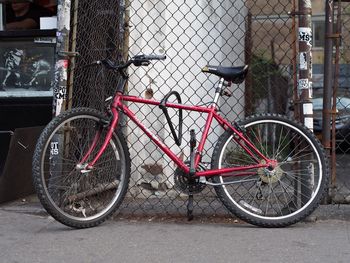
point(26, 69)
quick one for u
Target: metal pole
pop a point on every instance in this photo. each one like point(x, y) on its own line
point(328, 73)
point(60, 85)
point(125, 6)
point(72, 45)
point(248, 97)
point(305, 88)
point(126, 27)
point(62, 56)
point(337, 37)
point(294, 64)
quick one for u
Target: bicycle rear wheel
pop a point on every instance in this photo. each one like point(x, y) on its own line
point(278, 197)
point(73, 195)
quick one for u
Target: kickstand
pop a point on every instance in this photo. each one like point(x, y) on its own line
point(190, 205)
point(193, 143)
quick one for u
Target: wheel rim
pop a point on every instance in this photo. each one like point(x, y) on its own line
point(81, 197)
point(253, 203)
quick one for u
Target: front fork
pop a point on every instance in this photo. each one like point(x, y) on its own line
point(85, 167)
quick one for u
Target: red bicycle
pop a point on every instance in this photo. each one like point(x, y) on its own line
point(268, 170)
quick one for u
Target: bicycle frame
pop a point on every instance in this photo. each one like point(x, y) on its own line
point(118, 105)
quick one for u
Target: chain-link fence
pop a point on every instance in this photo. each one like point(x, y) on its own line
point(341, 102)
point(191, 34)
point(97, 33)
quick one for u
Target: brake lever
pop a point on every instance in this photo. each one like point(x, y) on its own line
point(108, 63)
point(145, 63)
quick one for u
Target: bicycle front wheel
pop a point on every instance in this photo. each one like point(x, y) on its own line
point(73, 195)
point(274, 197)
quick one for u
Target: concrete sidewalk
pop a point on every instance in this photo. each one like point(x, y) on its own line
point(31, 206)
point(28, 234)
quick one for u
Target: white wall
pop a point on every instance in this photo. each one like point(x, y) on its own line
point(192, 35)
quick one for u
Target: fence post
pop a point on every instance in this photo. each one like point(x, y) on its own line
point(60, 79)
point(305, 82)
point(62, 55)
point(305, 64)
point(328, 72)
point(248, 46)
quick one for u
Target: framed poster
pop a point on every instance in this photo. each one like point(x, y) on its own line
point(26, 68)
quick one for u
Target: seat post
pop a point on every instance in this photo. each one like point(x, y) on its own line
point(218, 92)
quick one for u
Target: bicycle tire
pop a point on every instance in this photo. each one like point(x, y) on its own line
point(76, 197)
point(288, 193)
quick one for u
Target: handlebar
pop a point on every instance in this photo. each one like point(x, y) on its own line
point(149, 57)
point(138, 60)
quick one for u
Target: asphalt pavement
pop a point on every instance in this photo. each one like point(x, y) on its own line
point(28, 234)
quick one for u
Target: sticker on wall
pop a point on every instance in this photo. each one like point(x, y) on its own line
point(305, 35)
point(58, 108)
point(60, 93)
point(60, 90)
point(309, 123)
point(54, 148)
point(62, 67)
point(307, 109)
point(63, 10)
point(310, 64)
point(307, 4)
point(303, 84)
point(310, 89)
point(303, 61)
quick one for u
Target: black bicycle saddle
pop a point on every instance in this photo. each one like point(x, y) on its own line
point(234, 74)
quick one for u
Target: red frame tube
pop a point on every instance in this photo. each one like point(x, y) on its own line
point(212, 113)
point(109, 133)
point(92, 147)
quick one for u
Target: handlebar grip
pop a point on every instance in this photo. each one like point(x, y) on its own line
point(150, 57)
point(156, 57)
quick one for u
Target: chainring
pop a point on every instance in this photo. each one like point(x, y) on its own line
point(183, 182)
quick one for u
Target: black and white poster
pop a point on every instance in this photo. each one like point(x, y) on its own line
point(26, 69)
